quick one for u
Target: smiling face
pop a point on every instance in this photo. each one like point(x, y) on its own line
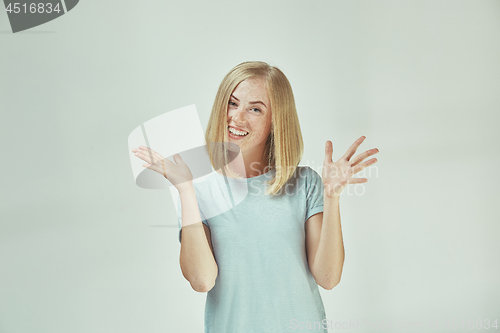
point(249, 111)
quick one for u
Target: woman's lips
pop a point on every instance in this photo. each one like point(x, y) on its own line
point(234, 136)
point(237, 128)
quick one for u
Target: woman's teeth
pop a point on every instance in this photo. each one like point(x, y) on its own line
point(236, 132)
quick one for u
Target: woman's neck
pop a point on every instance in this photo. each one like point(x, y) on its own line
point(246, 167)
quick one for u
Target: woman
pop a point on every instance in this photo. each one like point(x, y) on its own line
point(271, 230)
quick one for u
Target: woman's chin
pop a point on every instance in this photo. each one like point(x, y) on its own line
point(233, 147)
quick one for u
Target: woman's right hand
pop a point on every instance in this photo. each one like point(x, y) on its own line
point(177, 173)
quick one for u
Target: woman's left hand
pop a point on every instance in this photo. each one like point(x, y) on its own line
point(336, 175)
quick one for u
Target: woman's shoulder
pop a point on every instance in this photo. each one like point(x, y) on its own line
point(305, 171)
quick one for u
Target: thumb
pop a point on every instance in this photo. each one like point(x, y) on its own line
point(328, 151)
point(178, 159)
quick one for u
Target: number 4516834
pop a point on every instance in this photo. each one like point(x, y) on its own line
point(32, 8)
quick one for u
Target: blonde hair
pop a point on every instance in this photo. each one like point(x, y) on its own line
point(284, 146)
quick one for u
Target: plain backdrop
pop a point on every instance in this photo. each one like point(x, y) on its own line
point(420, 79)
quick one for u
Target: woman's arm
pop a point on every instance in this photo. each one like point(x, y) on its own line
point(197, 260)
point(324, 242)
point(325, 245)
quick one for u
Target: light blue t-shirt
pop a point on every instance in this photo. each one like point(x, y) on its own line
point(263, 283)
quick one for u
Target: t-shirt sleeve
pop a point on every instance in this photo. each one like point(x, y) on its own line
point(314, 193)
point(179, 217)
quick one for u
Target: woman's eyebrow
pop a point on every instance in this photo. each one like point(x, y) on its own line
point(255, 102)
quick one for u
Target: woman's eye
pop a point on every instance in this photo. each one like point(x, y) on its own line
point(256, 110)
point(232, 103)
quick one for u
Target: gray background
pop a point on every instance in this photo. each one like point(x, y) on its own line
point(420, 79)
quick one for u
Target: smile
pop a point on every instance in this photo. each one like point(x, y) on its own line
point(236, 132)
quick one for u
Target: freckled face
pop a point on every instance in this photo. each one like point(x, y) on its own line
point(249, 111)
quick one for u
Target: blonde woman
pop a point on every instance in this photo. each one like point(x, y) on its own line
point(271, 229)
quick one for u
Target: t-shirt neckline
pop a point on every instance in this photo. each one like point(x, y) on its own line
point(259, 177)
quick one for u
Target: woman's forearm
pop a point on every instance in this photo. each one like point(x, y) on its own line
point(197, 261)
point(329, 258)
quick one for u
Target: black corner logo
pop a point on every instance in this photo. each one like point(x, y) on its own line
point(26, 15)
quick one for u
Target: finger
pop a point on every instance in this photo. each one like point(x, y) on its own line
point(153, 155)
point(178, 159)
point(363, 165)
point(328, 151)
point(353, 147)
point(161, 166)
point(364, 155)
point(148, 150)
point(145, 156)
point(153, 167)
point(357, 180)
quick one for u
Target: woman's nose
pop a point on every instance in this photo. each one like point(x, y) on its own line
point(238, 115)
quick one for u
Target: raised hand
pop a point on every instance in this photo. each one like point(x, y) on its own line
point(336, 175)
point(177, 173)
